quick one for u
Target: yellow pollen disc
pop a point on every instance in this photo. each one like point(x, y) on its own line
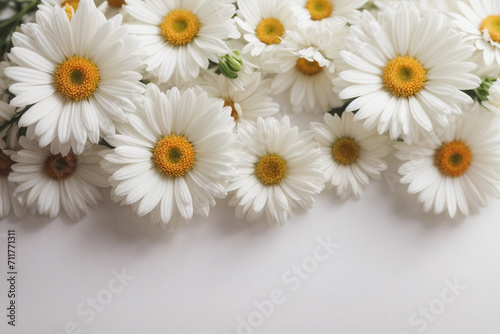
point(492, 23)
point(174, 155)
point(453, 158)
point(59, 167)
point(319, 9)
point(271, 169)
point(269, 31)
point(116, 3)
point(308, 67)
point(5, 165)
point(68, 5)
point(180, 27)
point(234, 113)
point(77, 78)
point(345, 150)
point(404, 76)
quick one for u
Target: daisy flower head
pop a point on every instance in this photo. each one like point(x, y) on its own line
point(321, 13)
point(480, 21)
point(8, 202)
point(48, 184)
point(351, 155)
point(457, 169)
point(78, 74)
point(174, 157)
point(306, 66)
point(278, 170)
point(493, 102)
point(264, 23)
point(180, 37)
point(405, 73)
point(249, 103)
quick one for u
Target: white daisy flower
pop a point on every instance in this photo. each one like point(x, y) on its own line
point(250, 103)
point(175, 158)
point(351, 155)
point(8, 202)
point(457, 169)
point(111, 8)
point(78, 74)
point(8, 125)
point(264, 23)
point(278, 170)
point(406, 72)
point(480, 21)
point(493, 103)
point(48, 183)
point(181, 36)
point(306, 66)
point(4, 82)
point(324, 12)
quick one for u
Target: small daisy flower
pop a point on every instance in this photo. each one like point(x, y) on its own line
point(305, 66)
point(456, 170)
point(78, 75)
point(48, 184)
point(174, 157)
point(493, 103)
point(250, 103)
point(4, 82)
point(111, 8)
point(264, 23)
point(480, 21)
point(351, 155)
point(406, 73)
point(325, 12)
point(180, 37)
point(8, 202)
point(278, 170)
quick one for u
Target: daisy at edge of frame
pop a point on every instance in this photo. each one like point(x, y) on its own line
point(180, 37)
point(8, 202)
point(322, 13)
point(252, 102)
point(174, 157)
point(305, 67)
point(479, 20)
point(264, 23)
point(351, 154)
point(78, 74)
point(278, 170)
point(458, 169)
point(50, 183)
point(406, 80)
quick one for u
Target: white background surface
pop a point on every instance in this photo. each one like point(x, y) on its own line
point(392, 260)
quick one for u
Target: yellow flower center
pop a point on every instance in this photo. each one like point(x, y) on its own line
point(271, 169)
point(174, 155)
point(319, 9)
point(70, 6)
point(116, 3)
point(5, 165)
point(269, 31)
point(308, 67)
point(453, 158)
point(77, 78)
point(345, 150)
point(180, 27)
point(492, 23)
point(234, 113)
point(59, 167)
point(404, 76)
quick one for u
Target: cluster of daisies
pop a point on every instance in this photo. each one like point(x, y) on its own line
point(173, 104)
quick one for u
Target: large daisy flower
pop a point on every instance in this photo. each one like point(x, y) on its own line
point(325, 12)
point(305, 66)
point(250, 103)
point(351, 155)
point(278, 170)
point(406, 72)
point(458, 169)
point(174, 157)
point(264, 23)
point(48, 183)
point(181, 36)
point(480, 21)
point(78, 75)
